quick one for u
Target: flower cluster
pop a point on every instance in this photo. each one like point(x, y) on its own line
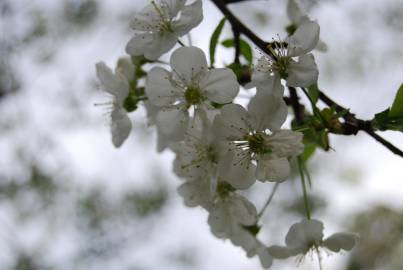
point(221, 147)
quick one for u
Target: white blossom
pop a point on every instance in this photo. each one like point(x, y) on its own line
point(159, 25)
point(280, 64)
point(297, 16)
point(255, 145)
point(196, 155)
point(229, 217)
point(197, 192)
point(306, 235)
point(190, 86)
point(116, 85)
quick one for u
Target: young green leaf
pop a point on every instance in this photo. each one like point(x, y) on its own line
point(397, 107)
point(313, 92)
point(245, 48)
point(214, 40)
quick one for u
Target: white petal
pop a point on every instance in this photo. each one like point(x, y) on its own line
point(285, 143)
point(341, 240)
point(303, 73)
point(268, 84)
point(280, 252)
point(172, 7)
point(269, 111)
point(116, 85)
point(273, 170)
point(241, 237)
point(233, 123)
point(237, 170)
point(304, 39)
point(262, 73)
point(304, 234)
point(265, 258)
point(120, 127)
point(220, 85)
point(294, 12)
point(147, 19)
point(151, 45)
point(243, 210)
point(322, 46)
point(189, 64)
point(195, 193)
point(159, 88)
point(191, 16)
point(126, 67)
point(173, 123)
point(219, 219)
point(162, 142)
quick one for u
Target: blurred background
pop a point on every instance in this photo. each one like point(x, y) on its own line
point(70, 200)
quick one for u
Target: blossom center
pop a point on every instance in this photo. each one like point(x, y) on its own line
point(279, 60)
point(257, 144)
point(193, 96)
point(224, 189)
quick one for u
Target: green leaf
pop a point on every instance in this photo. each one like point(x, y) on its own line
point(309, 150)
point(397, 107)
point(391, 118)
point(313, 92)
point(245, 48)
point(214, 40)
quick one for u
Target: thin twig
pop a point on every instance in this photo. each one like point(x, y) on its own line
point(237, 44)
point(352, 124)
point(296, 106)
point(305, 192)
point(269, 199)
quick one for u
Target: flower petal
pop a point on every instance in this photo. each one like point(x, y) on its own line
point(285, 143)
point(269, 84)
point(190, 17)
point(243, 211)
point(172, 7)
point(151, 45)
point(173, 123)
point(265, 258)
point(237, 170)
point(269, 111)
point(232, 123)
point(159, 88)
point(304, 39)
point(302, 235)
point(220, 85)
point(342, 240)
point(126, 67)
point(120, 127)
point(294, 12)
point(280, 252)
point(189, 64)
point(147, 19)
point(114, 84)
point(303, 73)
point(195, 193)
point(219, 219)
point(273, 170)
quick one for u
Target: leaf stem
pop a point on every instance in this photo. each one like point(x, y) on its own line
point(269, 199)
point(302, 176)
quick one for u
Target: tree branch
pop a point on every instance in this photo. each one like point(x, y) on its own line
point(237, 44)
point(352, 124)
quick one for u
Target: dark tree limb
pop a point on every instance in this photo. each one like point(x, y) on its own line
point(352, 124)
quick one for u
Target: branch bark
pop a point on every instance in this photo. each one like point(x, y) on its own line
point(352, 124)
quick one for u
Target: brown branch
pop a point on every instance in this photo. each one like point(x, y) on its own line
point(298, 109)
point(352, 124)
point(237, 44)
